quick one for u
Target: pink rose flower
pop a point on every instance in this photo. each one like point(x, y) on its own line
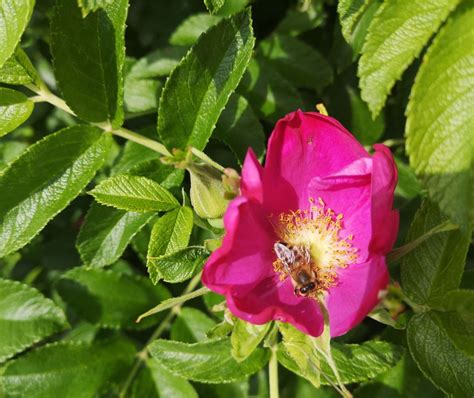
point(328, 204)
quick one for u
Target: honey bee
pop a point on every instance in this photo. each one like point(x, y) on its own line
point(297, 263)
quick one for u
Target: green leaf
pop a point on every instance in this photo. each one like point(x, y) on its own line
point(239, 128)
point(303, 16)
point(408, 186)
point(246, 337)
point(158, 63)
point(141, 95)
point(170, 234)
point(396, 36)
point(191, 326)
point(47, 176)
point(134, 193)
point(298, 62)
point(18, 70)
point(214, 5)
point(188, 32)
point(89, 55)
point(110, 299)
point(88, 6)
point(208, 361)
point(367, 130)
point(14, 17)
point(198, 88)
point(106, 233)
point(434, 352)
point(15, 108)
point(350, 12)
point(178, 266)
point(459, 318)
point(155, 381)
point(270, 94)
point(436, 265)
point(440, 126)
point(68, 369)
point(355, 362)
point(26, 317)
point(403, 380)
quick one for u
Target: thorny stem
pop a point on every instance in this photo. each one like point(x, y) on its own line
point(396, 254)
point(142, 355)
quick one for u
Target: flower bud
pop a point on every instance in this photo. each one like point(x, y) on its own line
point(207, 191)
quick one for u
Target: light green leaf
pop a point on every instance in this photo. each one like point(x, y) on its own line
point(110, 299)
point(170, 234)
point(239, 128)
point(350, 12)
point(208, 361)
point(436, 265)
point(246, 337)
point(158, 63)
point(141, 95)
point(88, 6)
point(178, 266)
point(18, 70)
point(188, 32)
point(434, 352)
point(355, 362)
point(89, 55)
point(440, 126)
point(198, 88)
point(68, 369)
point(298, 62)
point(270, 94)
point(47, 176)
point(367, 130)
point(191, 326)
point(26, 317)
point(214, 5)
point(134, 193)
point(155, 381)
point(106, 233)
point(15, 108)
point(14, 17)
point(397, 34)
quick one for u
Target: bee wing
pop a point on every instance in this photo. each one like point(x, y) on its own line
point(285, 255)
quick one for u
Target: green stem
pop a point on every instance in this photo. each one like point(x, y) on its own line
point(201, 155)
point(140, 139)
point(273, 373)
point(396, 254)
point(142, 355)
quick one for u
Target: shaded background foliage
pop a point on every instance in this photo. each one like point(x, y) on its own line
point(398, 72)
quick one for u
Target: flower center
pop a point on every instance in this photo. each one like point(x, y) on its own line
point(315, 230)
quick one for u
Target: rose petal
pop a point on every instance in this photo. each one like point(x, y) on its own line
point(305, 145)
point(251, 183)
point(356, 294)
point(246, 254)
point(272, 299)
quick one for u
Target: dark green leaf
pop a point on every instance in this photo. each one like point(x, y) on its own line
point(270, 94)
point(440, 126)
point(110, 299)
point(208, 362)
point(73, 370)
point(191, 326)
point(14, 17)
point(26, 317)
point(106, 233)
point(47, 176)
point(436, 265)
point(436, 356)
point(15, 108)
point(191, 28)
point(396, 36)
point(303, 16)
point(134, 193)
point(19, 70)
point(89, 54)
point(155, 381)
point(198, 88)
point(297, 62)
